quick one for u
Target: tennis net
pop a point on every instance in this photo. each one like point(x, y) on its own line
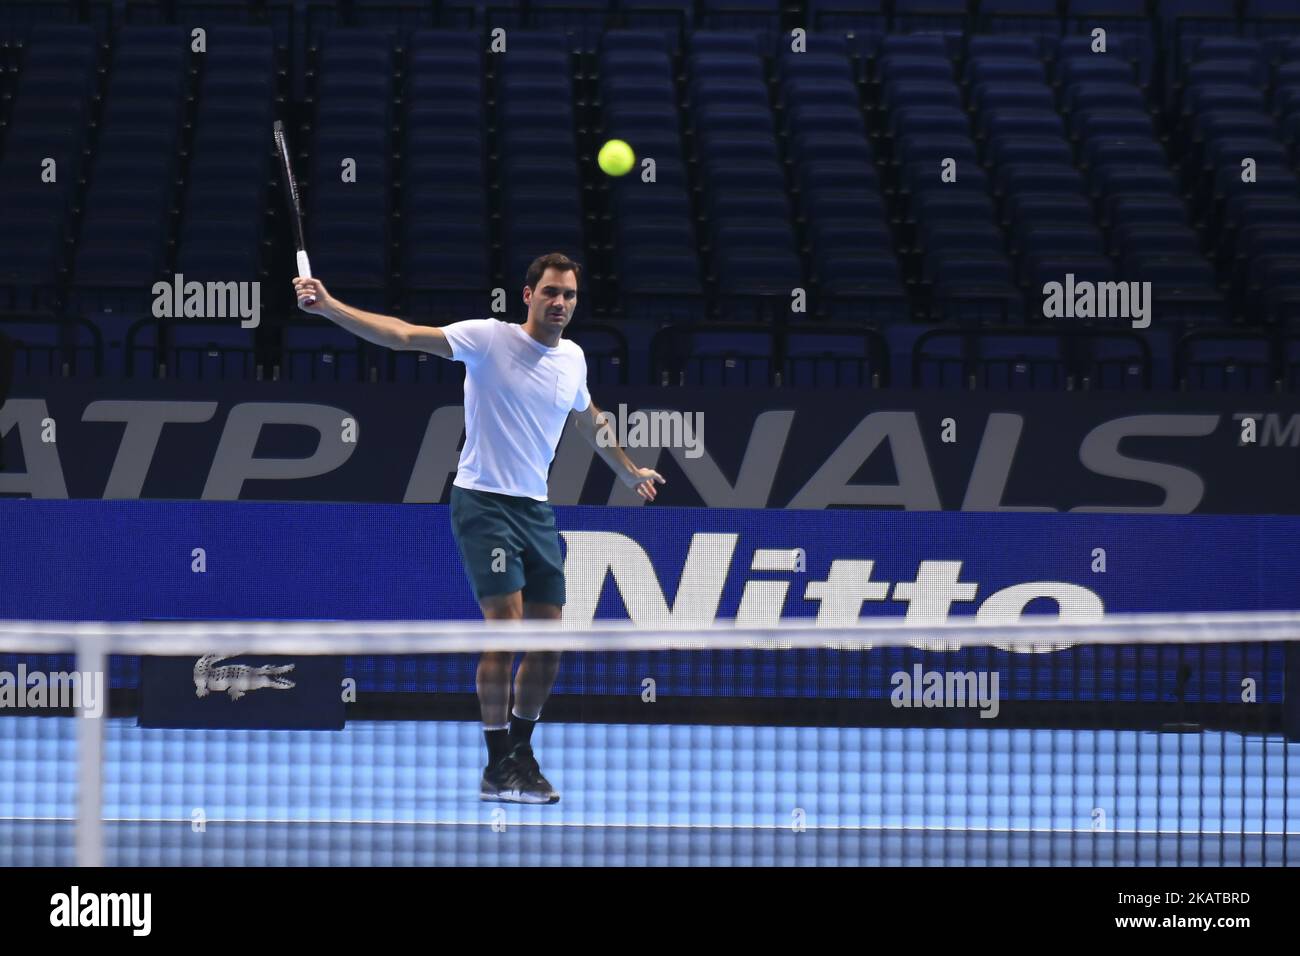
point(1132, 740)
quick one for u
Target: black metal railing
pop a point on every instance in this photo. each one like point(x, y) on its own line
point(1075, 366)
point(675, 358)
point(1259, 374)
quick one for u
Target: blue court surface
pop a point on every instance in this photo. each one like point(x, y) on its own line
point(405, 793)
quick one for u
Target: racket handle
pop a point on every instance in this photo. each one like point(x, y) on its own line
point(304, 270)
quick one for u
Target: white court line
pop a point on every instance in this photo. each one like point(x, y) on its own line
point(864, 828)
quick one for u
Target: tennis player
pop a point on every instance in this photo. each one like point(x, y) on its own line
point(522, 383)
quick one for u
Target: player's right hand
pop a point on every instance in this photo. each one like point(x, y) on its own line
point(312, 295)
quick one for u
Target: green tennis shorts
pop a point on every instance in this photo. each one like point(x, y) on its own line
point(508, 544)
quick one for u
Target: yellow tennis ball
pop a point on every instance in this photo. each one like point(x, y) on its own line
point(616, 157)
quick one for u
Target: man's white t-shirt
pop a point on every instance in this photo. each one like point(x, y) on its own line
point(518, 395)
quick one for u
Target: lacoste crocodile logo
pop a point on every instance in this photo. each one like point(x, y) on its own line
point(237, 679)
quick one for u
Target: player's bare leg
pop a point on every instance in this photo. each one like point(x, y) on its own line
point(536, 675)
point(512, 774)
point(493, 677)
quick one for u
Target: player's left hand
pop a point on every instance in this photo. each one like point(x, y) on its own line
point(643, 480)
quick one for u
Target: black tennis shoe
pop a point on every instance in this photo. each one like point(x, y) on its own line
point(516, 778)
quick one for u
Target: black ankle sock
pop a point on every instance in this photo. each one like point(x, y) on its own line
point(521, 730)
point(498, 744)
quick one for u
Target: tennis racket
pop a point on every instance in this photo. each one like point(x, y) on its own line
point(295, 204)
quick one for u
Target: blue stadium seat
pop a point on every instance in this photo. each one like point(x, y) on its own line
point(1012, 95)
point(1008, 69)
point(670, 19)
point(1115, 360)
point(1222, 71)
point(39, 345)
point(1036, 150)
point(762, 272)
point(1273, 287)
point(1254, 245)
point(1035, 17)
point(717, 356)
point(973, 289)
point(935, 97)
point(628, 41)
point(831, 175)
point(433, 46)
point(742, 14)
point(1225, 362)
point(1114, 178)
point(1129, 122)
point(1017, 363)
point(832, 359)
point(316, 352)
point(1125, 151)
point(813, 144)
point(918, 178)
point(1063, 241)
point(930, 44)
point(865, 15)
point(582, 20)
point(207, 351)
point(1196, 48)
point(1270, 18)
point(930, 67)
point(1122, 21)
point(1196, 18)
point(938, 359)
point(948, 237)
point(745, 43)
point(1055, 178)
point(50, 347)
point(926, 148)
point(830, 119)
point(1138, 209)
point(939, 204)
point(1020, 122)
point(931, 15)
point(849, 203)
point(1041, 268)
point(1156, 240)
point(606, 351)
point(1103, 95)
point(661, 285)
point(1094, 67)
point(402, 14)
point(929, 121)
point(828, 58)
point(845, 232)
point(421, 368)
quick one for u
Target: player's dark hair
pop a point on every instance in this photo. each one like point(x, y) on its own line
point(552, 260)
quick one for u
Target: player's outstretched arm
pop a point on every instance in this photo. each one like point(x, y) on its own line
point(386, 330)
point(591, 422)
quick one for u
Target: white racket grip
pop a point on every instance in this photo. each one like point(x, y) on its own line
point(304, 270)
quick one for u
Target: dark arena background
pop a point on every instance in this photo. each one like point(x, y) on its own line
point(980, 314)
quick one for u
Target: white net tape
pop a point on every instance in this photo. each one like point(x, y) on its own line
point(461, 637)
